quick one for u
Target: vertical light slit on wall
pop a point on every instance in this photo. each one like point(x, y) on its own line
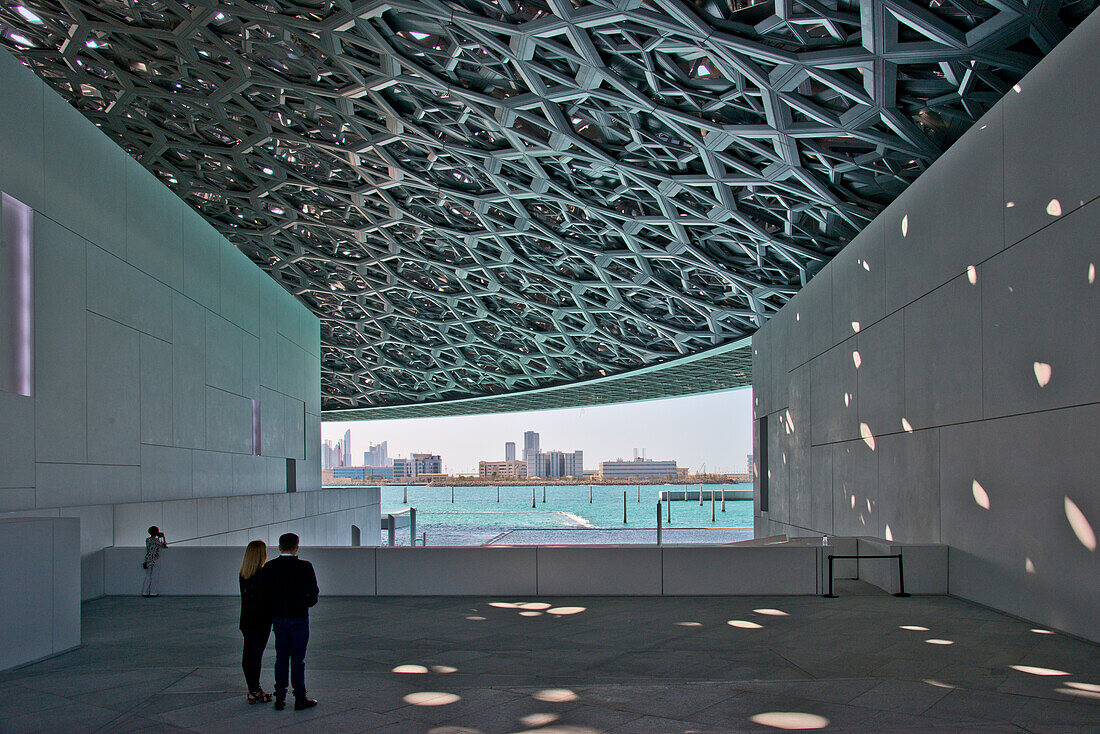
point(762, 462)
point(16, 296)
point(255, 427)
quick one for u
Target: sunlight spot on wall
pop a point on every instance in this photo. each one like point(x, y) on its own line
point(538, 719)
point(888, 534)
point(1039, 631)
point(855, 326)
point(1054, 208)
point(853, 502)
point(410, 669)
point(862, 519)
point(743, 624)
point(983, 127)
point(867, 266)
point(790, 720)
point(1033, 670)
point(1080, 524)
point(847, 400)
point(867, 436)
point(1092, 273)
point(937, 683)
point(772, 612)
point(564, 611)
point(972, 274)
point(444, 669)
point(1010, 204)
point(1017, 89)
point(430, 698)
point(798, 317)
point(1042, 373)
point(913, 628)
point(555, 695)
point(905, 226)
point(980, 495)
point(868, 501)
point(905, 426)
point(856, 359)
point(1029, 565)
point(937, 641)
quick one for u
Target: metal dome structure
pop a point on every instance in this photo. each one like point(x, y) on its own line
point(485, 198)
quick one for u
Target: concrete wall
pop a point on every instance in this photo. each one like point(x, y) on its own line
point(40, 578)
point(601, 570)
point(937, 381)
point(152, 337)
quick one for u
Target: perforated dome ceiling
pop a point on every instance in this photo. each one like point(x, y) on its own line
point(481, 197)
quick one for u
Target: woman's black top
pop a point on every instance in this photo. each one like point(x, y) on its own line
point(255, 611)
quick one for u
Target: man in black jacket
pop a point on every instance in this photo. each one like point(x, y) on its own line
point(290, 589)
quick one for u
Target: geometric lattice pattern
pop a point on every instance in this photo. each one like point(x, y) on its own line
point(481, 197)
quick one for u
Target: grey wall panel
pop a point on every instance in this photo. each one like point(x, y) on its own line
point(156, 391)
point(240, 283)
point(855, 489)
point(953, 220)
point(85, 177)
point(60, 344)
point(296, 429)
point(66, 592)
point(810, 329)
point(779, 467)
point(881, 371)
point(224, 354)
point(154, 227)
point(16, 444)
point(213, 474)
point(201, 260)
point(181, 519)
point(96, 525)
point(909, 486)
point(64, 485)
point(1051, 150)
point(166, 473)
point(250, 366)
point(943, 366)
point(21, 133)
point(834, 411)
point(272, 423)
point(288, 365)
point(858, 284)
point(114, 393)
point(798, 447)
point(13, 499)
point(1040, 282)
point(188, 373)
point(27, 546)
point(249, 474)
point(228, 422)
point(239, 512)
point(122, 293)
point(821, 488)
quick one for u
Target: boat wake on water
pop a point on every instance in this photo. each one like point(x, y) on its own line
point(574, 518)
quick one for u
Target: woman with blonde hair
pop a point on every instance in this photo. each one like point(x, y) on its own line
point(255, 619)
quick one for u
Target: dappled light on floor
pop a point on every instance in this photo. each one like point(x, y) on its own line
point(981, 497)
point(555, 695)
point(410, 669)
point(772, 612)
point(534, 605)
point(1033, 670)
point(530, 613)
point(690, 624)
point(476, 619)
point(444, 669)
point(565, 611)
point(430, 698)
point(937, 683)
point(913, 628)
point(1080, 525)
point(790, 720)
point(563, 729)
point(744, 624)
point(1042, 373)
point(538, 719)
point(1079, 692)
point(938, 641)
point(503, 604)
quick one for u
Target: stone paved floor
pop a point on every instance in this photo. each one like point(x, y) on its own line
point(631, 665)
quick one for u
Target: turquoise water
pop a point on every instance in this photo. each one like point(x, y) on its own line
point(476, 516)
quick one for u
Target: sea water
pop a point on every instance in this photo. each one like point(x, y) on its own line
point(567, 515)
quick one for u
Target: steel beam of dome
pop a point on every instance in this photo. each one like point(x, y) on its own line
point(494, 197)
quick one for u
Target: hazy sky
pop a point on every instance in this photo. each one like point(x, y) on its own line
point(715, 428)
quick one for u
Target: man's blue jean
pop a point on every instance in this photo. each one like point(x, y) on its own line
point(291, 637)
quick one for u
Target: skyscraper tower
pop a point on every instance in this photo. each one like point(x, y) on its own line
point(510, 451)
point(347, 447)
point(530, 444)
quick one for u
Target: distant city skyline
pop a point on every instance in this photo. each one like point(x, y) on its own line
point(714, 429)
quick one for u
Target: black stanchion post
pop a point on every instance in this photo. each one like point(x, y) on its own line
point(901, 579)
point(830, 595)
point(624, 508)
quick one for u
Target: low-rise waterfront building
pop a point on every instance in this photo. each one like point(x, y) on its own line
point(502, 469)
point(638, 469)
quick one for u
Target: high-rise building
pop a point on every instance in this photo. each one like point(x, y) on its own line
point(530, 444)
point(510, 451)
point(377, 455)
point(347, 448)
point(555, 464)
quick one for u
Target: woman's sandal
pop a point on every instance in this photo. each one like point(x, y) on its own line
point(258, 696)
